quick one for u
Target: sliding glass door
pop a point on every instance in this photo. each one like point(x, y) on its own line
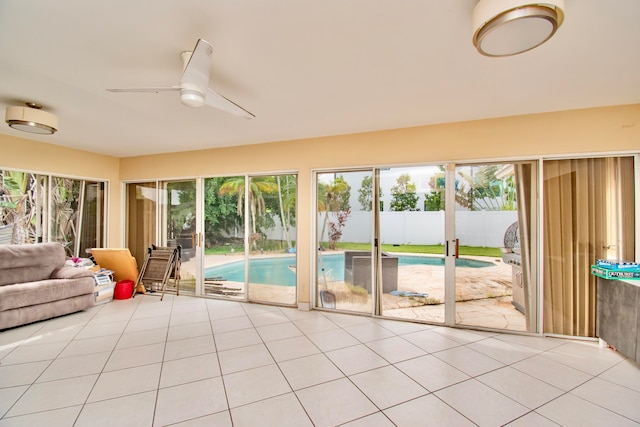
point(412, 235)
point(224, 237)
point(272, 239)
point(447, 244)
point(493, 211)
point(236, 233)
point(179, 228)
point(345, 256)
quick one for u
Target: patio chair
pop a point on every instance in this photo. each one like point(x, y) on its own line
point(159, 264)
point(174, 275)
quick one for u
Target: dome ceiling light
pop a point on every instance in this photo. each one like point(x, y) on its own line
point(510, 27)
point(31, 119)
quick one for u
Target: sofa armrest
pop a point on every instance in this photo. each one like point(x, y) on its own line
point(68, 272)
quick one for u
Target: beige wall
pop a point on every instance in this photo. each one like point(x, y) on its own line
point(33, 156)
point(610, 129)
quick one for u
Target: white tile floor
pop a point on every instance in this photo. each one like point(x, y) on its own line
point(195, 362)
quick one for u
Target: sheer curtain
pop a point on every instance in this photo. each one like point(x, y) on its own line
point(588, 214)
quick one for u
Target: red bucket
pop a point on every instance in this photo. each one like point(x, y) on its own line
point(123, 289)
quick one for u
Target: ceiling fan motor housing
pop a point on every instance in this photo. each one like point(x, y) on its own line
point(191, 97)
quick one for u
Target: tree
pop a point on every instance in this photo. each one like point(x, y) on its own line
point(333, 198)
point(404, 197)
point(18, 192)
point(219, 210)
point(287, 204)
point(180, 212)
point(366, 193)
point(483, 190)
point(257, 186)
point(335, 228)
point(433, 201)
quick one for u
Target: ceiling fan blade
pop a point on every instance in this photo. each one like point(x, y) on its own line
point(146, 89)
point(198, 69)
point(214, 99)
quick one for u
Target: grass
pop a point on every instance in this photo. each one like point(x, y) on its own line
point(224, 250)
point(424, 249)
point(417, 249)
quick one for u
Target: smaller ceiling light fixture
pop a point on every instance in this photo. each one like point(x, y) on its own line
point(31, 119)
point(510, 27)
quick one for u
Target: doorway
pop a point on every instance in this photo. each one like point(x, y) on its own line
point(446, 244)
point(236, 233)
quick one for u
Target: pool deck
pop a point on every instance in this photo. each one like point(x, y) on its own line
point(482, 299)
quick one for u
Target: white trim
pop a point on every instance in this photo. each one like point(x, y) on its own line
point(186, 177)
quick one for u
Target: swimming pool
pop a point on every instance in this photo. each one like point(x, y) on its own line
point(280, 270)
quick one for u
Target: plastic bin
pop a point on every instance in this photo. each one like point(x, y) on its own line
point(123, 289)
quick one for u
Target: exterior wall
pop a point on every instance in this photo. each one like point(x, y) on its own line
point(596, 130)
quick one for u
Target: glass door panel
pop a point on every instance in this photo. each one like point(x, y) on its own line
point(224, 237)
point(493, 211)
point(179, 225)
point(272, 254)
point(345, 256)
point(412, 235)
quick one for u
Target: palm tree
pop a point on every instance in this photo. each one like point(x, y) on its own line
point(287, 203)
point(257, 187)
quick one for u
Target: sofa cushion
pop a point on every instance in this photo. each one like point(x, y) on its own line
point(30, 262)
point(43, 291)
point(33, 313)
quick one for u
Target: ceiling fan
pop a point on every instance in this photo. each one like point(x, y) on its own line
point(194, 84)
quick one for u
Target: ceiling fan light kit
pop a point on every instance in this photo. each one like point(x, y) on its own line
point(510, 27)
point(31, 119)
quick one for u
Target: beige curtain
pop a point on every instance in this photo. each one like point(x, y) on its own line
point(588, 214)
point(524, 192)
point(141, 219)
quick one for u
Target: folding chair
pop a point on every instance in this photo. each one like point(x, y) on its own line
point(175, 272)
point(157, 268)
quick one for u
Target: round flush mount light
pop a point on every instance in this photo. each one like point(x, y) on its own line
point(31, 119)
point(510, 27)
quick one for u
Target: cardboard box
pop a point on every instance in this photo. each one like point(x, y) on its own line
point(615, 274)
point(104, 293)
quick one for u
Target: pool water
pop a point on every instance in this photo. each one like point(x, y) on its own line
point(281, 270)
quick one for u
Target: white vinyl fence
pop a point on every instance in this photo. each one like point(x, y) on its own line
point(473, 228)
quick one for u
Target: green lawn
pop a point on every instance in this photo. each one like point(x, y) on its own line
point(417, 249)
point(425, 249)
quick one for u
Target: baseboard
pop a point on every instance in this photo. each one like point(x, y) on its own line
point(304, 306)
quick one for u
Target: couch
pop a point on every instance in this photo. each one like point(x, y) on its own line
point(35, 284)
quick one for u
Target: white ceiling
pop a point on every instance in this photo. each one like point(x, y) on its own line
point(305, 68)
